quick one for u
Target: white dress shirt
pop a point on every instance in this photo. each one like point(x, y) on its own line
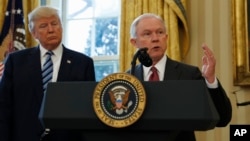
point(56, 59)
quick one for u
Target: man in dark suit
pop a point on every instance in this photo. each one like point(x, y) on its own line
point(149, 30)
point(21, 87)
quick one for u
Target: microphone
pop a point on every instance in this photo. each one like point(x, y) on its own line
point(143, 57)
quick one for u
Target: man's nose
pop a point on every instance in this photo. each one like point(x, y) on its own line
point(154, 36)
point(50, 28)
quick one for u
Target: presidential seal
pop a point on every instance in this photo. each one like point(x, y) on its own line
point(119, 100)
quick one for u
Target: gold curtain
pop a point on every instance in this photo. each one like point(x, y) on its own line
point(28, 5)
point(172, 12)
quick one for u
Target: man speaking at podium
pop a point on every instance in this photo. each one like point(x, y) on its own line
point(149, 30)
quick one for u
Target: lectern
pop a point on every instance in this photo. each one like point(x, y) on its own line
point(171, 106)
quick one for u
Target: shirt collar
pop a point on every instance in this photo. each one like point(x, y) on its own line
point(57, 51)
point(159, 65)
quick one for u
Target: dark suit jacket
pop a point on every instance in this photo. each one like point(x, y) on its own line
point(179, 71)
point(21, 92)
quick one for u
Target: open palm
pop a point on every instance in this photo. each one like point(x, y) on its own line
point(208, 64)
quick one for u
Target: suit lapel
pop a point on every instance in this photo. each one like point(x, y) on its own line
point(139, 72)
point(171, 70)
point(65, 66)
point(36, 76)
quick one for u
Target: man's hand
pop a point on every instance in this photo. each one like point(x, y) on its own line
point(208, 64)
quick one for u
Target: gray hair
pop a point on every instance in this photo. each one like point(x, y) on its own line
point(139, 18)
point(40, 12)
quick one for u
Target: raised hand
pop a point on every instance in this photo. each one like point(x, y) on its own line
point(208, 64)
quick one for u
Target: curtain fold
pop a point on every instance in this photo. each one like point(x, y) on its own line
point(178, 27)
point(174, 15)
point(3, 7)
point(27, 7)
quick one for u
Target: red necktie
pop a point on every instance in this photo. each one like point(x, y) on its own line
point(154, 76)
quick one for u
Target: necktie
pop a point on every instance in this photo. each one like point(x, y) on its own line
point(154, 76)
point(47, 70)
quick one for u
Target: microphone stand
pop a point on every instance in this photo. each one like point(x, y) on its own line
point(133, 63)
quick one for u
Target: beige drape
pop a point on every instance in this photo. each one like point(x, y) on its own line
point(172, 11)
point(28, 5)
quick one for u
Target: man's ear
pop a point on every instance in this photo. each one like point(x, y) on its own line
point(133, 41)
point(33, 34)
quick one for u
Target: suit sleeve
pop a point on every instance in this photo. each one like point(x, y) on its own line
point(91, 71)
point(5, 102)
point(222, 104)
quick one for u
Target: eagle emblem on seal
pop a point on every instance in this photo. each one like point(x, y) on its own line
point(119, 96)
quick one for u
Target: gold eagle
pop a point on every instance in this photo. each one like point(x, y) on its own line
point(119, 97)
